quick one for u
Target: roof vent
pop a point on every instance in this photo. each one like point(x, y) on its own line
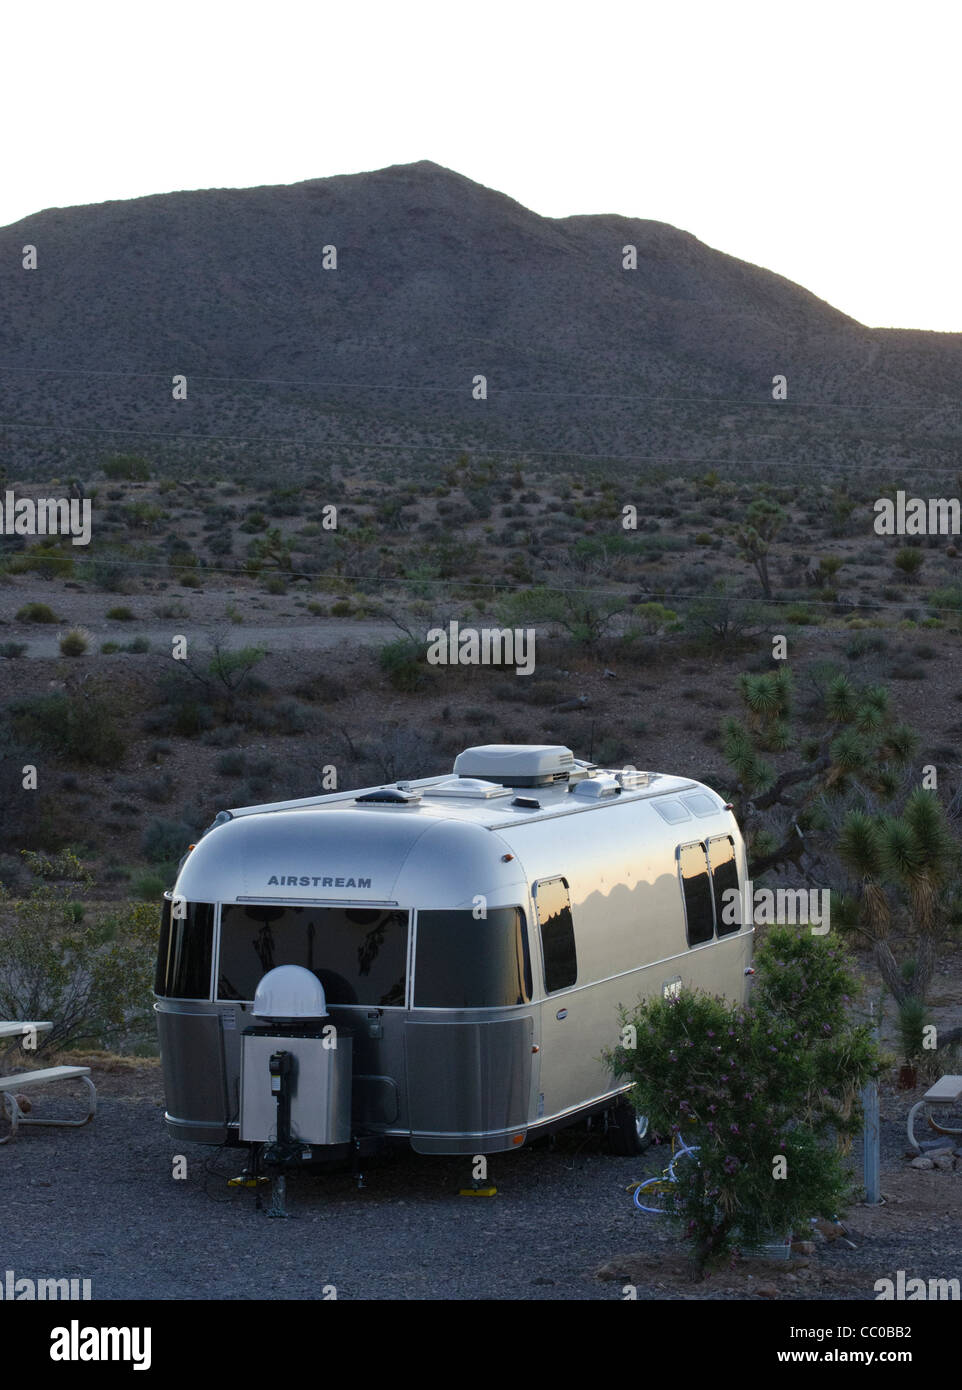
point(517, 764)
point(391, 796)
point(596, 788)
point(527, 803)
point(631, 777)
point(472, 787)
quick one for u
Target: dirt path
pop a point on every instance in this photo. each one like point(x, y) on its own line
point(319, 635)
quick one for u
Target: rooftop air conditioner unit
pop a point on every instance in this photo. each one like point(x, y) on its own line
point(517, 764)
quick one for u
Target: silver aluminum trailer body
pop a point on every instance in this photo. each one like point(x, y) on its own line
point(475, 940)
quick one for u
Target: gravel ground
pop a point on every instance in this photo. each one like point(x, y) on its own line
point(100, 1203)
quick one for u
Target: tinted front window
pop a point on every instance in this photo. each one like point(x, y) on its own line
point(467, 963)
point(697, 893)
point(183, 956)
point(557, 934)
point(724, 878)
point(358, 954)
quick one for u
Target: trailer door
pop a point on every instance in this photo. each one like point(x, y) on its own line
point(567, 1066)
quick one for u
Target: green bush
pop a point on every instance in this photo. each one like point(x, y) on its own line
point(91, 976)
point(120, 614)
point(84, 728)
point(74, 642)
point(37, 613)
point(148, 887)
point(403, 662)
point(777, 1078)
point(165, 840)
point(950, 597)
point(51, 561)
point(909, 560)
point(129, 467)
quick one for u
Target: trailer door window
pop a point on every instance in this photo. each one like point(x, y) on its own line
point(358, 954)
point(553, 906)
point(465, 962)
point(724, 878)
point(696, 890)
point(184, 951)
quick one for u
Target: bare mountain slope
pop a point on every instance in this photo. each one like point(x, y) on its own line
point(437, 279)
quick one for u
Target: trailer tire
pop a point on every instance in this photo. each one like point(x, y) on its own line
point(628, 1133)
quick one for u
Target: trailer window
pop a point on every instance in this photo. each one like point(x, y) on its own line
point(358, 954)
point(696, 890)
point(724, 878)
point(184, 951)
point(464, 962)
point(553, 906)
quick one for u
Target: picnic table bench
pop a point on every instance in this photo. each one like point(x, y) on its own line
point(946, 1091)
point(12, 1086)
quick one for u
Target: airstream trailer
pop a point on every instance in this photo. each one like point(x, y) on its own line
point(473, 935)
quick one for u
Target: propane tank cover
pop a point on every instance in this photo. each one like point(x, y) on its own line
point(289, 992)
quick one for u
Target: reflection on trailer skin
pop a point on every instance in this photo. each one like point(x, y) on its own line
point(475, 934)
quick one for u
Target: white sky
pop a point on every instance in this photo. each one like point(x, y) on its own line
point(818, 139)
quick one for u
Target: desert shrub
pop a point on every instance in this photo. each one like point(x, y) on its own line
point(165, 840)
point(127, 467)
point(91, 976)
point(949, 597)
point(120, 614)
point(74, 642)
point(800, 615)
point(865, 642)
point(85, 728)
point(158, 788)
point(37, 613)
point(107, 573)
point(779, 1076)
point(232, 764)
point(909, 560)
point(720, 619)
point(49, 560)
point(403, 662)
point(11, 650)
point(321, 687)
point(148, 887)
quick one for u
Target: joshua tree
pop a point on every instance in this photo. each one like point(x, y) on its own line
point(763, 521)
point(915, 855)
point(855, 747)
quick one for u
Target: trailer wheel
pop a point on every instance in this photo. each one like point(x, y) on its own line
point(628, 1133)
